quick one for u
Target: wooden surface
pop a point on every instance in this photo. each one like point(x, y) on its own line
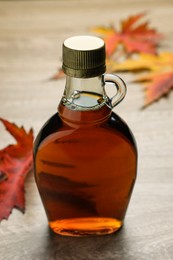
point(31, 34)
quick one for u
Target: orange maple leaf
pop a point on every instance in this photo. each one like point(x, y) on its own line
point(15, 162)
point(160, 75)
point(133, 36)
point(160, 85)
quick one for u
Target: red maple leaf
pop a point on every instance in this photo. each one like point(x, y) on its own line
point(133, 36)
point(15, 162)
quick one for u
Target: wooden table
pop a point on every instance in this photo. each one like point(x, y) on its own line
point(31, 35)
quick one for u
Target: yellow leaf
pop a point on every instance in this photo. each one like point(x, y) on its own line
point(161, 62)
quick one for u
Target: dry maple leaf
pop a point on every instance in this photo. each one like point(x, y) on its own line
point(58, 75)
point(15, 162)
point(133, 36)
point(160, 85)
point(160, 77)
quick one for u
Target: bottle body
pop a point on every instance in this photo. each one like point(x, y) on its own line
point(85, 170)
point(85, 156)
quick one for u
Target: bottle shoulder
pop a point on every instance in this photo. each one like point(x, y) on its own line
point(56, 128)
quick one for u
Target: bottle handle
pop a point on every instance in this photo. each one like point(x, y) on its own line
point(120, 86)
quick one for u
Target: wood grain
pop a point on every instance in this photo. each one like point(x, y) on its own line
point(31, 34)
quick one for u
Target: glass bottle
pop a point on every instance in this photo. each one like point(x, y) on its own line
point(85, 156)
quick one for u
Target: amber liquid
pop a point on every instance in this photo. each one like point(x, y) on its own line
point(85, 172)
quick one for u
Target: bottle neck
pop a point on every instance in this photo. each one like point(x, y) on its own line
point(84, 93)
point(84, 101)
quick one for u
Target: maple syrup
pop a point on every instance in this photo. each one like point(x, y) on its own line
point(85, 161)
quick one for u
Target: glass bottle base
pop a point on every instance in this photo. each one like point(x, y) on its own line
point(85, 226)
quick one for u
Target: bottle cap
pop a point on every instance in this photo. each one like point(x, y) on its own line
point(84, 57)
